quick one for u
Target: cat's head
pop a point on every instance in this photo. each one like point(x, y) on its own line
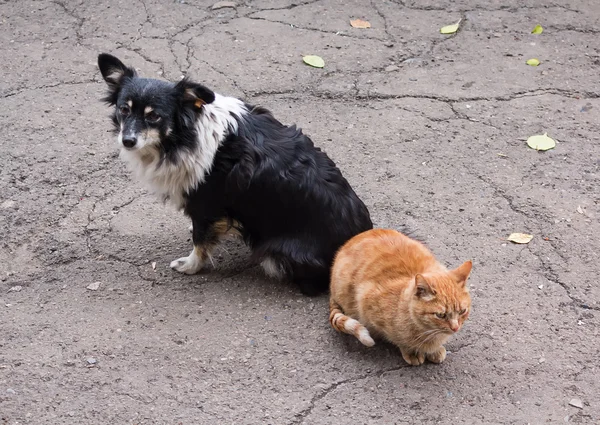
point(441, 300)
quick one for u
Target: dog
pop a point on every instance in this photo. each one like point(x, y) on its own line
point(233, 168)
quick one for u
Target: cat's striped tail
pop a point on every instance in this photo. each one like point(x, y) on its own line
point(342, 323)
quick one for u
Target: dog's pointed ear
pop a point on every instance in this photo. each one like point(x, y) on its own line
point(194, 95)
point(113, 71)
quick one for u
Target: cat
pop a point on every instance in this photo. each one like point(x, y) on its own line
point(385, 284)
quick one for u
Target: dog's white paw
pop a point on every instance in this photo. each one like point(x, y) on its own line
point(189, 265)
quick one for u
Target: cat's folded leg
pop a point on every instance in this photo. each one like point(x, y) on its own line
point(437, 356)
point(412, 357)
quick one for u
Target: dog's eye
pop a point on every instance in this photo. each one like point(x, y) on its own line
point(152, 117)
point(440, 315)
point(124, 110)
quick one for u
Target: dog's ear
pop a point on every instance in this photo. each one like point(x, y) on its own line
point(113, 71)
point(194, 95)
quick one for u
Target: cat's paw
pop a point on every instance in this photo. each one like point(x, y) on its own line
point(438, 356)
point(188, 265)
point(412, 358)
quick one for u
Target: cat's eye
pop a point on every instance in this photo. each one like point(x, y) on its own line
point(440, 315)
point(152, 117)
point(124, 110)
point(463, 311)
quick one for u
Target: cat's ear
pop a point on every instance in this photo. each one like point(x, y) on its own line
point(462, 272)
point(423, 289)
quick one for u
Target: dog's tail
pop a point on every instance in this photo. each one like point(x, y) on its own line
point(342, 323)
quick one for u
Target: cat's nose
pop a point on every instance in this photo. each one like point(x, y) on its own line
point(454, 326)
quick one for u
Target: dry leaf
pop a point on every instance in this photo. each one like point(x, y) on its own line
point(313, 60)
point(537, 29)
point(533, 62)
point(359, 23)
point(450, 29)
point(520, 238)
point(541, 142)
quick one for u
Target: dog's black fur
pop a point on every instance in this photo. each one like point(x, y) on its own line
point(288, 198)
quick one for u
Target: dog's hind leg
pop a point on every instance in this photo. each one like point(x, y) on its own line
point(312, 281)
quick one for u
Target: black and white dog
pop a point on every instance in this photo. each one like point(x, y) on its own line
point(233, 167)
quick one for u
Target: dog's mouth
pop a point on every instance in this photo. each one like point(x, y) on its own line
point(139, 141)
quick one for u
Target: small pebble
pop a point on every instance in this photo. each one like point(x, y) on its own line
point(7, 204)
point(391, 68)
point(541, 360)
point(16, 288)
point(575, 402)
point(91, 360)
point(93, 286)
point(10, 391)
point(223, 4)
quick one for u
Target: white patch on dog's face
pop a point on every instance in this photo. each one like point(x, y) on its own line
point(175, 179)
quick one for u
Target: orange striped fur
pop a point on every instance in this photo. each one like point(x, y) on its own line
point(385, 284)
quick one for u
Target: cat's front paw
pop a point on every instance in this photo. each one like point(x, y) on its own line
point(412, 358)
point(191, 264)
point(437, 356)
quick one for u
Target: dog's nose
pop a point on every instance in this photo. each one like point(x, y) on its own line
point(129, 141)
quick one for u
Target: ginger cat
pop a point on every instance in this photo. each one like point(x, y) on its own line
point(388, 285)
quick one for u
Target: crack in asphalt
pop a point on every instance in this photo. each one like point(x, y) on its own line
point(294, 26)
point(412, 6)
point(547, 269)
point(20, 90)
point(293, 5)
point(300, 417)
point(80, 19)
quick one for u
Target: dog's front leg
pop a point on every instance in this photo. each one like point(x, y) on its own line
point(205, 235)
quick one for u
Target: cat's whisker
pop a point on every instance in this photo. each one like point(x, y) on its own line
point(429, 337)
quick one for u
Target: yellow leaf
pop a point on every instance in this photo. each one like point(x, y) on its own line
point(450, 29)
point(541, 142)
point(537, 29)
point(313, 60)
point(520, 238)
point(533, 62)
point(359, 23)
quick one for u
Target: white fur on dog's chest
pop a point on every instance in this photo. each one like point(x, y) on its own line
point(167, 180)
point(175, 179)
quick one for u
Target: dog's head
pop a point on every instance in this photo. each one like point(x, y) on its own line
point(149, 111)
